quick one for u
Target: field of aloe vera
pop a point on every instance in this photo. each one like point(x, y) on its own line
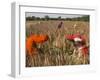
point(57, 50)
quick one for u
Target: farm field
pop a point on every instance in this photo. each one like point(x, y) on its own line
point(57, 50)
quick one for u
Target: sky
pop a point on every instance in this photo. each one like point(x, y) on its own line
point(30, 14)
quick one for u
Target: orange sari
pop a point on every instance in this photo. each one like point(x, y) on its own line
point(32, 41)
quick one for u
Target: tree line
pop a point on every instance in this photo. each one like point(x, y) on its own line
point(46, 18)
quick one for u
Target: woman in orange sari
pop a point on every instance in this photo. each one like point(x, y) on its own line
point(31, 42)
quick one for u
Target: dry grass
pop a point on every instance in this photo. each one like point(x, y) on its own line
point(57, 50)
